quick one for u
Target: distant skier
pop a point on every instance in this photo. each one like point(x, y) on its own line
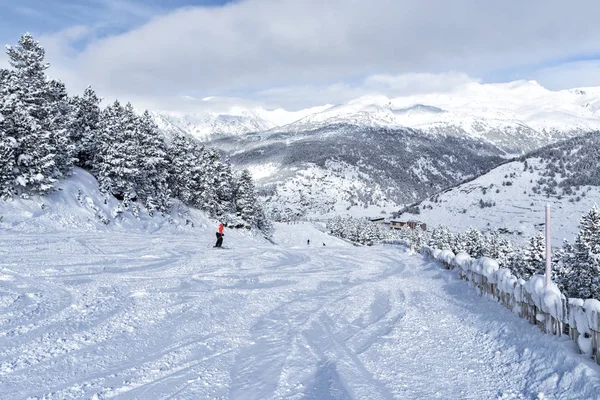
point(220, 235)
point(323, 244)
point(308, 242)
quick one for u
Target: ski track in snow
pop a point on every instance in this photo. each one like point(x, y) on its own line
point(140, 316)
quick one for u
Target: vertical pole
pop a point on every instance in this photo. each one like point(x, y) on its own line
point(548, 248)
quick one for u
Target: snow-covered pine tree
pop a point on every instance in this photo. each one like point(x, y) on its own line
point(460, 243)
point(245, 198)
point(473, 242)
point(561, 265)
point(115, 164)
point(404, 233)
point(180, 156)
point(84, 127)
point(34, 113)
point(7, 143)
point(447, 237)
point(584, 277)
point(436, 238)
point(417, 239)
point(532, 260)
point(263, 223)
point(205, 182)
point(152, 181)
point(224, 184)
point(60, 121)
point(335, 226)
point(498, 248)
point(7, 162)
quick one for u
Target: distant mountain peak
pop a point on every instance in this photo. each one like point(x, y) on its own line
point(516, 116)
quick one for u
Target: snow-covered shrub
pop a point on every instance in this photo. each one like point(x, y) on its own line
point(531, 260)
point(358, 230)
point(498, 248)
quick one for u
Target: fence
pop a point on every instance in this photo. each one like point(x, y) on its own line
point(541, 306)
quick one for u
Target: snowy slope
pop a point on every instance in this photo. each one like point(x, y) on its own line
point(516, 208)
point(133, 315)
point(513, 196)
point(78, 204)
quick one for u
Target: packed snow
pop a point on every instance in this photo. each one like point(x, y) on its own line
point(123, 314)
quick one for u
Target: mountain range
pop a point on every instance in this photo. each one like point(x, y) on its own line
point(376, 154)
point(517, 117)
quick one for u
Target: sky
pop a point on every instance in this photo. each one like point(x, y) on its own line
point(177, 54)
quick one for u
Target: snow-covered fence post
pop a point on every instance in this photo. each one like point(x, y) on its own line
point(595, 328)
point(548, 249)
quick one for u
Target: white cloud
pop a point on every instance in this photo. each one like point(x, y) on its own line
point(569, 75)
point(287, 52)
point(301, 96)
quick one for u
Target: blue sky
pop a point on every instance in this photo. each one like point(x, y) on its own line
point(300, 53)
point(106, 16)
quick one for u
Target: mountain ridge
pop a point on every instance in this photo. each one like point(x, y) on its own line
point(518, 116)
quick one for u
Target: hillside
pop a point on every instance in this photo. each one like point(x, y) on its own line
point(79, 205)
point(349, 168)
point(513, 196)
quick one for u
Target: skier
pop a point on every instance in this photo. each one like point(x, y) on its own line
point(308, 242)
point(220, 235)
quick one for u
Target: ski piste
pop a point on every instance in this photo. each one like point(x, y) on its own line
point(260, 321)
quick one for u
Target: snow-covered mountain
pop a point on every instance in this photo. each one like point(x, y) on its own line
point(517, 117)
point(342, 168)
point(205, 126)
point(208, 125)
point(513, 196)
point(373, 154)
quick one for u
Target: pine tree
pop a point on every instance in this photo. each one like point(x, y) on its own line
point(60, 120)
point(245, 198)
point(85, 125)
point(498, 248)
point(335, 226)
point(263, 223)
point(562, 264)
point(115, 164)
point(417, 239)
point(448, 238)
point(532, 260)
point(206, 182)
point(7, 162)
point(436, 240)
point(152, 181)
point(7, 143)
point(584, 276)
point(35, 114)
point(459, 245)
point(181, 167)
point(473, 242)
